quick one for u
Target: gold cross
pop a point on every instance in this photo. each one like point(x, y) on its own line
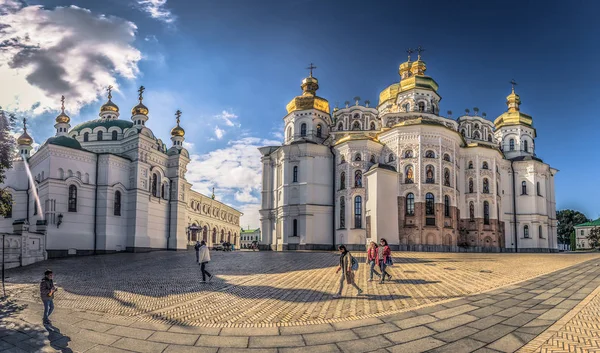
point(420, 50)
point(311, 67)
point(409, 51)
point(25, 124)
point(109, 89)
point(62, 103)
point(513, 83)
point(178, 115)
point(141, 91)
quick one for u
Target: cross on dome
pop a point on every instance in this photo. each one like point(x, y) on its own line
point(109, 89)
point(513, 83)
point(311, 67)
point(25, 124)
point(141, 92)
point(62, 103)
point(419, 51)
point(409, 51)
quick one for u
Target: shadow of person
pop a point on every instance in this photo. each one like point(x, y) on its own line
point(57, 340)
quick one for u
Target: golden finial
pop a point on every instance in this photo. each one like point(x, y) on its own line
point(409, 51)
point(141, 91)
point(24, 124)
point(420, 50)
point(213, 194)
point(178, 115)
point(62, 104)
point(513, 84)
point(109, 89)
point(311, 67)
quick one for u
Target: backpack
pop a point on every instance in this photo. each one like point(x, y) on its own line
point(354, 264)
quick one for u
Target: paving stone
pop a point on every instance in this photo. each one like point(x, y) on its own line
point(155, 326)
point(245, 331)
point(97, 337)
point(456, 333)
point(410, 334)
point(174, 338)
point(195, 330)
point(538, 322)
point(312, 339)
point(323, 348)
point(493, 333)
point(398, 317)
point(415, 321)
point(139, 345)
point(485, 311)
point(275, 341)
point(344, 325)
point(444, 314)
point(553, 314)
point(116, 320)
point(520, 319)
point(364, 345)
point(455, 303)
point(130, 332)
point(536, 330)
point(75, 344)
point(298, 330)
point(450, 323)
point(428, 310)
point(568, 304)
point(524, 296)
point(508, 303)
point(510, 312)
point(219, 341)
point(485, 350)
point(553, 301)
point(511, 342)
point(246, 350)
point(462, 345)
point(417, 346)
point(173, 348)
point(106, 349)
point(370, 331)
point(484, 302)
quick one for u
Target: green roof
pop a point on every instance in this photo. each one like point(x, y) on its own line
point(249, 230)
point(64, 141)
point(123, 124)
point(595, 223)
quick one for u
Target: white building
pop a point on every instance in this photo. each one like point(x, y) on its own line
point(110, 185)
point(582, 231)
point(249, 236)
point(403, 172)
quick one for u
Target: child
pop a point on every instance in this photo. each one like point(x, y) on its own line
point(47, 290)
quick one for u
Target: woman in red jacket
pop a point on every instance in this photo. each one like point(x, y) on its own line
point(373, 259)
point(384, 258)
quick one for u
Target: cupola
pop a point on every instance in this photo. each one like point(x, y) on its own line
point(62, 125)
point(309, 98)
point(178, 133)
point(25, 141)
point(139, 113)
point(109, 110)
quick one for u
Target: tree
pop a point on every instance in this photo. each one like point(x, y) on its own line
point(573, 241)
point(7, 152)
point(594, 237)
point(567, 220)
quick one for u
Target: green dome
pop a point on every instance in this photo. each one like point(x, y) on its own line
point(64, 141)
point(123, 124)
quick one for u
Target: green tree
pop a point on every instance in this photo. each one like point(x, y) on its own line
point(7, 152)
point(594, 237)
point(573, 242)
point(567, 219)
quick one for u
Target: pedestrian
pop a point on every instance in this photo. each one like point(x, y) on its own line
point(47, 290)
point(347, 262)
point(204, 259)
point(373, 259)
point(385, 258)
point(197, 248)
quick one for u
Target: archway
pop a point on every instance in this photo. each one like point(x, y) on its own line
point(222, 235)
point(194, 230)
point(214, 236)
point(229, 237)
point(205, 234)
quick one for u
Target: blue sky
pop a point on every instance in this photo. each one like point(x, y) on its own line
point(232, 66)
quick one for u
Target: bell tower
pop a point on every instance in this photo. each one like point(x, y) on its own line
point(514, 129)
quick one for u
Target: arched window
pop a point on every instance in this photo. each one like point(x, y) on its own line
point(540, 234)
point(99, 136)
point(429, 175)
point(342, 212)
point(410, 204)
point(114, 135)
point(9, 207)
point(356, 125)
point(446, 177)
point(289, 133)
point(470, 185)
point(446, 206)
point(470, 165)
point(476, 126)
point(36, 204)
point(410, 178)
point(391, 157)
point(154, 188)
point(485, 165)
point(319, 130)
point(342, 159)
point(462, 132)
point(406, 107)
point(222, 235)
point(303, 130)
point(511, 145)
point(357, 157)
point(117, 204)
point(486, 186)
point(525, 146)
point(162, 191)
point(539, 192)
point(358, 179)
point(372, 127)
point(295, 179)
point(524, 188)
point(86, 137)
point(358, 212)
point(408, 154)
point(421, 106)
point(295, 228)
point(476, 135)
point(526, 231)
point(340, 127)
point(429, 204)
point(72, 198)
point(486, 212)
point(372, 160)
point(447, 157)
point(471, 211)
point(205, 234)
point(214, 236)
point(430, 154)
point(342, 181)
point(490, 138)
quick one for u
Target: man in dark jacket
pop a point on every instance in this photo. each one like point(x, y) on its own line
point(197, 248)
point(47, 290)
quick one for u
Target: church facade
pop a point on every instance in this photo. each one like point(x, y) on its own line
point(403, 172)
point(110, 185)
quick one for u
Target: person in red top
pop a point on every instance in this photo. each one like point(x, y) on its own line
point(385, 254)
point(373, 259)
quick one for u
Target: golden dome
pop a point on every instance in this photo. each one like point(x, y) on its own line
point(139, 109)
point(513, 116)
point(109, 106)
point(308, 99)
point(178, 130)
point(25, 139)
point(62, 118)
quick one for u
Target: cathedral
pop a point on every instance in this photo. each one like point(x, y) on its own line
point(111, 185)
point(401, 171)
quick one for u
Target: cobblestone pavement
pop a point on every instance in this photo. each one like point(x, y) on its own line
point(504, 319)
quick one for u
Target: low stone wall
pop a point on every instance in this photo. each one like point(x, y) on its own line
point(23, 249)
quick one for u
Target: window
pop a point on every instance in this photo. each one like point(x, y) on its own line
point(526, 231)
point(114, 135)
point(406, 107)
point(72, 198)
point(214, 235)
point(410, 178)
point(429, 204)
point(408, 154)
point(470, 165)
point(154, 185)
point(511, 145)
point(490, 138)
point(342, 212)
point(524, 188)
point(447, 157)
point(430, 154)
point(410, 204)
point(99, 136)
point(35, 202)
point(162, 191)
point(9, 207)
point(446, 206)
point(486, 186)
point(358, 179)
point(356, 126)
point(342, 159)
point(539, 192)
point(289, 133)
point(471, 211)
point(446, 177)
point(476, 126)
point(340, 127)
point(357, 157)
point(358, 212)
point(391, 157)
point(429, 177)
point(486, 212)
point(525, 147)
point(541, 235)
point(303, 130)
point(86, 137)
point(295, 229)
point(476, 135)
point(117, 204)
point(485, 165)
point(295, 179)
point(470, 185)
point(462, 132)
point(372, 127)
point(319, 130)
point(421, 106)
point(372, 160)
point(581, 232)
point(342, 181)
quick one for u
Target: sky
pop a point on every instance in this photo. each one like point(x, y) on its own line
point(232, 66)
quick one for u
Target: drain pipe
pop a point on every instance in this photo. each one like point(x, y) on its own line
point(333, 197)
point(512, 168)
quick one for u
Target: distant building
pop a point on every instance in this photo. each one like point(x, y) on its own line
point(582, 231)
point(247, 236)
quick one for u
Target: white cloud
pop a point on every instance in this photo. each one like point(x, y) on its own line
point(251, 216)
point(219, 132)
point(188, 145)
point(45, 53)
point(227, 117)
point(157, 9)
point(245, 196)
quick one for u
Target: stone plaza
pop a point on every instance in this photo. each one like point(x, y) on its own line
point(282, 301)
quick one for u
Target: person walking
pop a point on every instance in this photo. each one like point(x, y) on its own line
point(204, 259)
point(346, 264)
point(373, 259)
point(197, 248)
point(384, 259)
point(47, 290)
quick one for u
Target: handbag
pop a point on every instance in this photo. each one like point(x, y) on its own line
point(354, 264)
point(389, 261)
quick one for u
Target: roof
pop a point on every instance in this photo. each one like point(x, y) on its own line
point(249, 230)
point(64, 141)
point(383, 166)
point(526, 158)
point(595, 223)
point(92, 124)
